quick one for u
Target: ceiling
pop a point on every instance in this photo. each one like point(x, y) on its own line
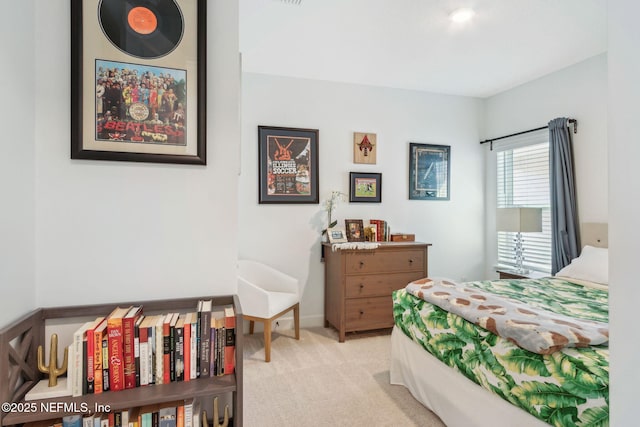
point(412, 44)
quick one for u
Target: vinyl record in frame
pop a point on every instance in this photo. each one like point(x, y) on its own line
point(142, 28)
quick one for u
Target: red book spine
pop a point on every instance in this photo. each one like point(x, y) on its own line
point(128, 344)
point(187, 348)
point(230, 341)
point(116, 356)
point(98, 335)
point(90, 357)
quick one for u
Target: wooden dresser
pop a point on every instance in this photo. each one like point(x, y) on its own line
point(358, 283)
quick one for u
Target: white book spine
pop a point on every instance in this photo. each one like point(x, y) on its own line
point(144, 363)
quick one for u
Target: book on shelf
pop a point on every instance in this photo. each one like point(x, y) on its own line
point(79, 361)
point(166, 348)
point(230, 340)
point(128, 345)
point(159, 350)
point(217, 343)
point(204, 309)
point(116, 347)
point(179, 348)
point(168, 413)
point(180, 415)
point(193, 351)
point(136, 348)
point(72, 421)
point(145, 345)
point(197, 412)
point(91, 353)
point(188, 413)
point(172, 346)
point(106, 384)
point(99, 334)
point(186, 347)
point(151, 340)
point(212, 347)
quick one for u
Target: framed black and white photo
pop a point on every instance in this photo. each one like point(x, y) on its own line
point(429, 171)
point(138, 80)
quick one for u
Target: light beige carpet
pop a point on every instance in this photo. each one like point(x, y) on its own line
point(318, 381)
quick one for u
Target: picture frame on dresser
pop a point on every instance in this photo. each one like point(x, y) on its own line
point(337, 235)
point(429, 171)
point(354, 229)
point(138, 89)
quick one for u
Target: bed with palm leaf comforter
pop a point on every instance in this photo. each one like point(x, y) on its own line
point(563, 377)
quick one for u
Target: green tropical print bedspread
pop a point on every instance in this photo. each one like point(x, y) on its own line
point(569, 387)
point(543, 316)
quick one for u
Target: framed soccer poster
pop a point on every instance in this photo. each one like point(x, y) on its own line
point(138, 80)
point(365, 187)
point(429, 171)
point(288, 165)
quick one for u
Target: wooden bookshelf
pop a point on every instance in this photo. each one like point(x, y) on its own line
point(19, 342)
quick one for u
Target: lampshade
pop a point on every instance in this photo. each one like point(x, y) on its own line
point(519, 219)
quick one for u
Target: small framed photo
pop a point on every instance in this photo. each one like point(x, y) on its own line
point(429, 171)
point(365, 187)
point(337, 235)
point(355, 230)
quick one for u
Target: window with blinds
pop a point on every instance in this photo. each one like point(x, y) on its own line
point(523, 181)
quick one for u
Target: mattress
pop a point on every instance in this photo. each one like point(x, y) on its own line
point(569, 387)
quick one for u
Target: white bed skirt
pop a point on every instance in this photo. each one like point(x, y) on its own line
point(457, 400)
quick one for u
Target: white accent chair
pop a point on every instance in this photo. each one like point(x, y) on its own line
point(266, 294)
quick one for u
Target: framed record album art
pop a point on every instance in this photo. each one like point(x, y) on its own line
point(138, 84)
point(288, 165)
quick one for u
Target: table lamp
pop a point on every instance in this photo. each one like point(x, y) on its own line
point(519, 220)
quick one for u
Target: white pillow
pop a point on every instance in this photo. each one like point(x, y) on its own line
point(592, 265)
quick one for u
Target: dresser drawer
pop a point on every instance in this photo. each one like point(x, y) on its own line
point(384, 261)
point(369, 313)
point(371, 285)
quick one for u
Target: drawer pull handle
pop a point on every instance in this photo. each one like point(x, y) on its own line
point(410, 260)
point(361, 285)
point(361, 312)
point(361, 263)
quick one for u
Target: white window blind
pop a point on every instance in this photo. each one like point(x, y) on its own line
point(523, 181)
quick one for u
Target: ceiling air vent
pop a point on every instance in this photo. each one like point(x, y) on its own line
point(294, 2)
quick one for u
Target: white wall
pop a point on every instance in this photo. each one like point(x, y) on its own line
point(17, 168)
point(579, 92)
point(288, 236)
point(624, 209)
point(108, 231)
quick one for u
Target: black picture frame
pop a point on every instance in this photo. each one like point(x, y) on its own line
point(365, 187)
point(287, 165)
point(429, 171)
point(107, 54)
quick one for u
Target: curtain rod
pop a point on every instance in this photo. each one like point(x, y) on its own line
point(571, 121)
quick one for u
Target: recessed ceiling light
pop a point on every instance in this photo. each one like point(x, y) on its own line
point(462, 15)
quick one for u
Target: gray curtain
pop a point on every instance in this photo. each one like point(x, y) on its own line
point(565, 238)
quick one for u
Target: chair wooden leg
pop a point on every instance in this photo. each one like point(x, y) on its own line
point(296, 320)
point(267, 340)
point(251, 325)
